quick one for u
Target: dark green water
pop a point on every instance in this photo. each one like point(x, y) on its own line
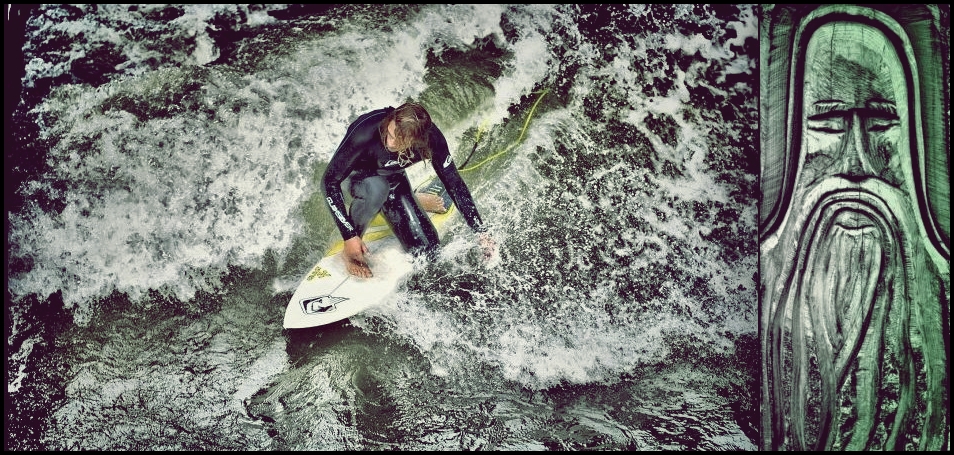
point(168, 204)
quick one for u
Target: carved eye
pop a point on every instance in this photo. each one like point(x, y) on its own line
point(881, 124)
point(829, 125)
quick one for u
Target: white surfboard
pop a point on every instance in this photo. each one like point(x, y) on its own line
point(328, 293)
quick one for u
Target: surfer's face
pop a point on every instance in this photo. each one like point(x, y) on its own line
point(392, 142)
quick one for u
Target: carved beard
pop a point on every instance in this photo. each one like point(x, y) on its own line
point(853, 342)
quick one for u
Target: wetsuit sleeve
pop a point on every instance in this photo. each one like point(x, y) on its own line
point(339, 168)
point(447, 172)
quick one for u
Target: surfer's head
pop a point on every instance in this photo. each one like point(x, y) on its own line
point(405, 129)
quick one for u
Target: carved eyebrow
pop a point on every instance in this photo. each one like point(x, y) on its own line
point(820, 108)
point(826, 106)
point(882, 106)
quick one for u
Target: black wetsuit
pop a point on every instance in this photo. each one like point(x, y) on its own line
point(379, 183)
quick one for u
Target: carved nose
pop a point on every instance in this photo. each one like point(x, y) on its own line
point(855, 161)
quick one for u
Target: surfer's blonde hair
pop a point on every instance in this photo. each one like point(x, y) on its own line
point(411, 124)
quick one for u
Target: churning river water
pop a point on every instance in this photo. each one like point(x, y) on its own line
point(163, 202)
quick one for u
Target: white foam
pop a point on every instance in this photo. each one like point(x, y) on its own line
point(267, 366)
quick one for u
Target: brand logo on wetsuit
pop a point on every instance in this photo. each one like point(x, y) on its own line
point(338, 214)
point(447, 162)
point(391, 163)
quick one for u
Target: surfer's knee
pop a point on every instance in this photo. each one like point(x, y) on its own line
point(369, 195)
point(372, 190)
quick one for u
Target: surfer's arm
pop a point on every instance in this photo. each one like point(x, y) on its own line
point(339, 168)
point(361, 134)
point(447, 172)
point(450, 177)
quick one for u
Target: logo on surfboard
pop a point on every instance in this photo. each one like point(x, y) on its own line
point(318, 272)
point(320, 305)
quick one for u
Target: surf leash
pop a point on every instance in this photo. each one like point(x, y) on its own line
point(434, 186)
point(523, 132)
point(480, 130)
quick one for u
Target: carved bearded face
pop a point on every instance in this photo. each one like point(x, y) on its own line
point(848, 279)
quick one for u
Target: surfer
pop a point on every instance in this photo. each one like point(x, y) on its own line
point(372, 158)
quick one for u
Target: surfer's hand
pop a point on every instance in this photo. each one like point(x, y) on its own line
point(354, 253)
point(488, 248)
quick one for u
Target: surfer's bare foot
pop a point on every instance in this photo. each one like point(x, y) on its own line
point(431, 202)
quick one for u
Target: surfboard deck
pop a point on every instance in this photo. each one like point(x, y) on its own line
point(328, 293)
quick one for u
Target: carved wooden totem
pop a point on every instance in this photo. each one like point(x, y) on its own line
point(854, 228)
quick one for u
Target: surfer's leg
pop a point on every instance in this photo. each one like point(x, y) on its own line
point(369, 194)
point(409, 223)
